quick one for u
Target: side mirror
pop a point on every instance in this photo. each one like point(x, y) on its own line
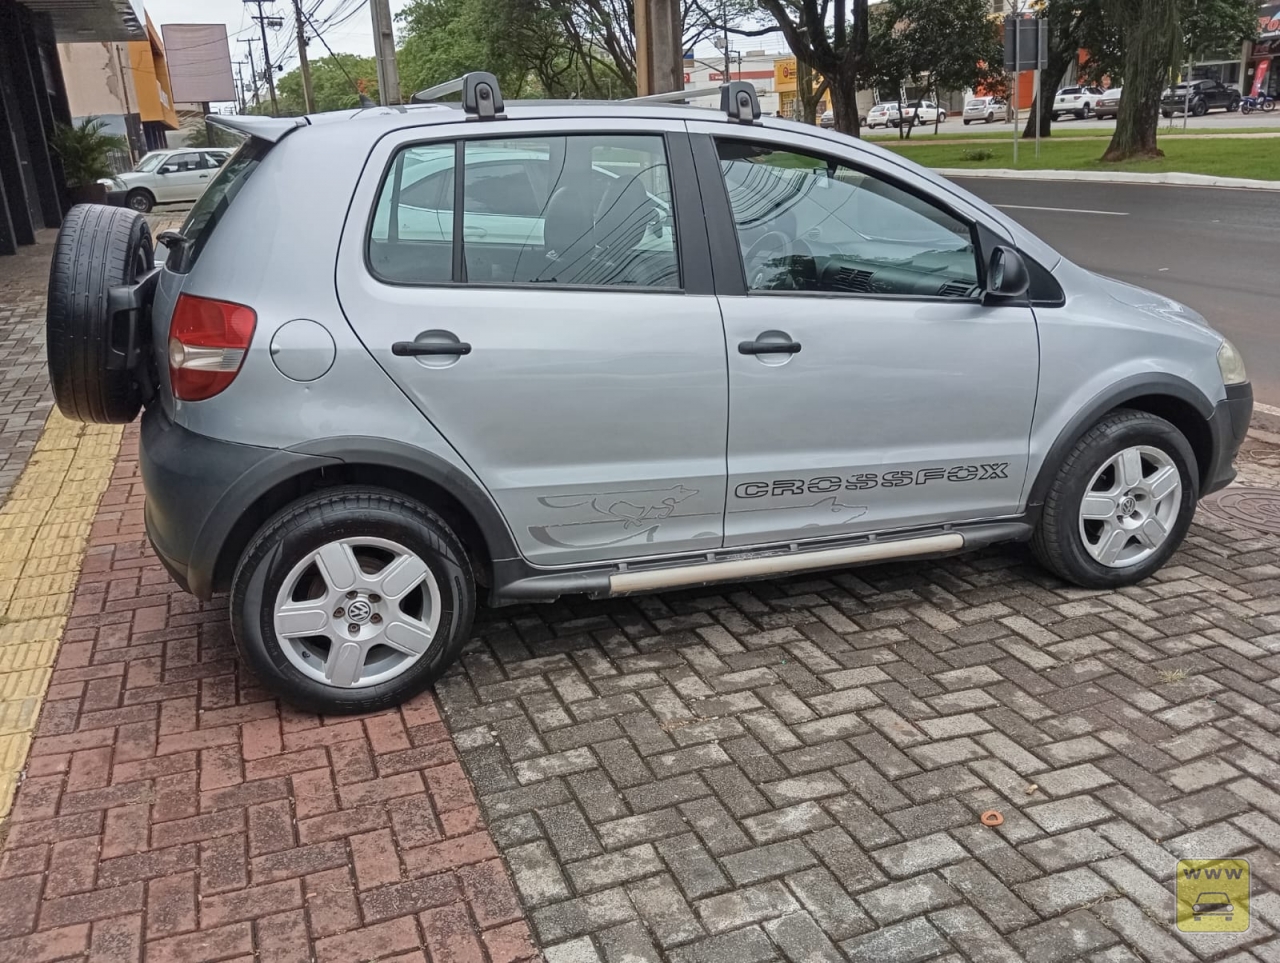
point(166, 170)
point(1007, 275)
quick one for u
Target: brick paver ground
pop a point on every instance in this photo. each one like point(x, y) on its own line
point(790, 770)
point(172, 812)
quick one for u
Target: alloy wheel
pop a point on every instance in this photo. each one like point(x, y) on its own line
point(357, 612)
point(1130, 506)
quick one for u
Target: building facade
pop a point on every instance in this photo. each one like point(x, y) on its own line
point(125, 84)
point(33, 98)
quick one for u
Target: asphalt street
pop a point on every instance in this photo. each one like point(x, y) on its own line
point(1214, 250)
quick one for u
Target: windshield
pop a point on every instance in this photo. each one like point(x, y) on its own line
point(213, 203)
point(150, 161)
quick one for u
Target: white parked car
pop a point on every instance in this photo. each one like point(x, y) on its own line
point(985, 109)
point(1077, 101)
point(166, 177)
point(884, 115)
point(924, 112)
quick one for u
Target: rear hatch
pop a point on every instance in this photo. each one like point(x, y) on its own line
point(183, 248)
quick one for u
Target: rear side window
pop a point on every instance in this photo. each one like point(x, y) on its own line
point(583, 210)
point(213, 203)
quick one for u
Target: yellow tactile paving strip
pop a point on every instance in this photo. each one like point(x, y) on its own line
point(43, 529)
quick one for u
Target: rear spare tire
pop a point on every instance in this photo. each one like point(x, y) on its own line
point(98, 248)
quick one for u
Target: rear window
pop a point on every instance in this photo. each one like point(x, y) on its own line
point(213, 203)
point(1068, 91)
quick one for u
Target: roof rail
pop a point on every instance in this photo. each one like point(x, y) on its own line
point(738, 99)
point(481, 95)
point(257, 125)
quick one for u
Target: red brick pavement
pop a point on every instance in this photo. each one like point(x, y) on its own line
point(173, 812)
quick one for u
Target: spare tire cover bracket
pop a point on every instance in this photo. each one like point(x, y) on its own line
point(135, 300)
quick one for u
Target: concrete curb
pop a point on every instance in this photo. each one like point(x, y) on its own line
point(1116, 177)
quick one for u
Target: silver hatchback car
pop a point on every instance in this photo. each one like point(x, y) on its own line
point(525, 350)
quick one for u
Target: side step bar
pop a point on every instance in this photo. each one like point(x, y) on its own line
point(743, 568)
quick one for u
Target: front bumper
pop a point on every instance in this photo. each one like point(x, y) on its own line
point(1228, 425)
point(117, 198)
point(200, 489)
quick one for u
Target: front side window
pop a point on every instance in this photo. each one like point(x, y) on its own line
point(808, 223)
point(189, 161)
point(579, 210)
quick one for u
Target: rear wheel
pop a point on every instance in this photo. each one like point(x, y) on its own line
point(1120, 503)
point(98, 248)
point(352, 600)
point(1054, 117)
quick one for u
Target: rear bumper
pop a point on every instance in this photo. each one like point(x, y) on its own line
point(1228, 425)
point(116, 198)
point(199, 489)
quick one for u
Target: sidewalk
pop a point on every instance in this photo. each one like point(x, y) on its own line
point(790, 769)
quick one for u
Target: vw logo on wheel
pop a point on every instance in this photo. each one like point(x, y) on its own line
point(1128, 505)
point(359, 611)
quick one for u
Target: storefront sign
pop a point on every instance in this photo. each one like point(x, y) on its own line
point(1269, 23)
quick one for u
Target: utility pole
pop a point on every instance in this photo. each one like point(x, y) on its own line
point(308, 97)
point(384, 49)
point(266, 53)
point(253, 72)
point(240, 84)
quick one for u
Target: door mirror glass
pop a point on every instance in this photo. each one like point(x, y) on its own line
point(1007, 275)
point(167, 169)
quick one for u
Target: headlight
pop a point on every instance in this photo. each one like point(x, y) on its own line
point(1231, 364)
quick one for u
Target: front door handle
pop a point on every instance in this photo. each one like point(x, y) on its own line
point(418, 349)
point(768, 347)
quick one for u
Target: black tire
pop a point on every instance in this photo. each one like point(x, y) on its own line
point(1166, 114)
point(140, 200)
point(98, 248)
point(1057, 543)
point(968, 122)
point(1054, 117)
point(1233, 106)
point(1087, 112)
point(1199, 108)
point(303, 527)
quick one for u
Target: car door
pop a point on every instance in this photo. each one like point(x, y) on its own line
point(870, 387)
point(591, 398)
point(182, 177)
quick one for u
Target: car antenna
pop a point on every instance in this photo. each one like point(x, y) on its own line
point(367, 101)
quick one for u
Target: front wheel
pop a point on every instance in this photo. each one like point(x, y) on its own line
point(140, 200)
point(1199, 109)
point(1120, 503)
point(1087, 112)
point(352, 600)
point(1166, 114)
point(1054, 117)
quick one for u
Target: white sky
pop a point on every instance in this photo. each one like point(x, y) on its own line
point(345, 24)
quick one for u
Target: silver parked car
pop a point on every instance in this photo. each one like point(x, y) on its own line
point(514, 352)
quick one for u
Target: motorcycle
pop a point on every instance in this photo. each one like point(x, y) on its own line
point(1264, 102)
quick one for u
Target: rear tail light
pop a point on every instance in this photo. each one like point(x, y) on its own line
point(207, 343)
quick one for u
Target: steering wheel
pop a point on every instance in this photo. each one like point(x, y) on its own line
point(772, 246)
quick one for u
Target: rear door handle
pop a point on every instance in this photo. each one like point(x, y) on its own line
point(768, 347)
point(418, 349)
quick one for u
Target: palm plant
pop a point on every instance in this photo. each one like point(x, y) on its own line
point(85, 150)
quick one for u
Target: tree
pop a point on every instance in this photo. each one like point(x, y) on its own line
point(830, 37)
point(1213, 26)
point(337, 82)
point(935, 44)
point(1151, 32)
point(1074, 25)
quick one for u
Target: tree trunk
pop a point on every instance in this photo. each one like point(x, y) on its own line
point(844, 102)
point(1151, 40)
point(1056, 70)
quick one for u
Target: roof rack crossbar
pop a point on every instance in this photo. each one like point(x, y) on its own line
point(481, 95)
point(675, 96)
point(738, 99)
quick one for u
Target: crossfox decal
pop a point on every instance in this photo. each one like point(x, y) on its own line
point(861, 481)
